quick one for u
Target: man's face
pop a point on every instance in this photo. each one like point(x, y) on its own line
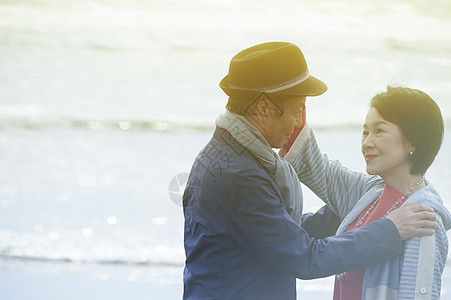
point(278, 128)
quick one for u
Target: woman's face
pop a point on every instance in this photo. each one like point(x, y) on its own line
point(384, 147)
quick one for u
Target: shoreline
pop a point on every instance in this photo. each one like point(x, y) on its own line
point(52, 281)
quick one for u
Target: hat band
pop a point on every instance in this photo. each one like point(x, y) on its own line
point(278, 87)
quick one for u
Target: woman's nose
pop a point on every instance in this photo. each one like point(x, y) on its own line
point(367, 141)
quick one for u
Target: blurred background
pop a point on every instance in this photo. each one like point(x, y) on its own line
point(104, 104)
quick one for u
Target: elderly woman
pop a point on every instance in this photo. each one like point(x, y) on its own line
point(402, 135)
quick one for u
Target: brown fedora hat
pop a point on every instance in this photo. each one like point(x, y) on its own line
point(273, 68)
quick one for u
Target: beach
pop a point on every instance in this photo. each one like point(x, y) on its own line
point(105, 104)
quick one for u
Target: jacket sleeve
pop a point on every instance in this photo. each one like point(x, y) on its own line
point(260, 224)
point(321, 224)
point(337, 186)
point(422, 265)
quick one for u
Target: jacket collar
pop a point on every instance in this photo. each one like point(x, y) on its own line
point(223, 135)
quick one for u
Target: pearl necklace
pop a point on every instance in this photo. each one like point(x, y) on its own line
point(359, 223)
point(400, 200)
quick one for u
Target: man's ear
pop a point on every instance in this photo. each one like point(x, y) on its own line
point(263, 108)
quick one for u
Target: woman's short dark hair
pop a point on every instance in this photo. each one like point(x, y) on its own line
point(420, 121)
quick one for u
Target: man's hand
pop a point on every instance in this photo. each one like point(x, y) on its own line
point(413, 220)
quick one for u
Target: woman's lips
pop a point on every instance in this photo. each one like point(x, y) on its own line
point(369, 157)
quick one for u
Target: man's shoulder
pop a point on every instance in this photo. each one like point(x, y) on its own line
point(230, 156)
point(218, 168)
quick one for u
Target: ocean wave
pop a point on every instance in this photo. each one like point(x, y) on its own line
point(21, 258)
point(146, 125)
point(66, 260)
point(122, 125)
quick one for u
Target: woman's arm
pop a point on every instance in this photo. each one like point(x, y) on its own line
point(334, 184)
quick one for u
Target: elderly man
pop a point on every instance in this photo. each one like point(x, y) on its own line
point(243, 203)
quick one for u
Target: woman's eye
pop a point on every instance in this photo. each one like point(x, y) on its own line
point(365, 133)
point(380, 130)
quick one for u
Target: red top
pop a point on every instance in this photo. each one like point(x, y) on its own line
point(350, 287)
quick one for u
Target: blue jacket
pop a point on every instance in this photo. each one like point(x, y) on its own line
point(241, 243)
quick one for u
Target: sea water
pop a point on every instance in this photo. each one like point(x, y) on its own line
point(104, 105)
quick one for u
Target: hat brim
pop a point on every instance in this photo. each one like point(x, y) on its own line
point(311, 87)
